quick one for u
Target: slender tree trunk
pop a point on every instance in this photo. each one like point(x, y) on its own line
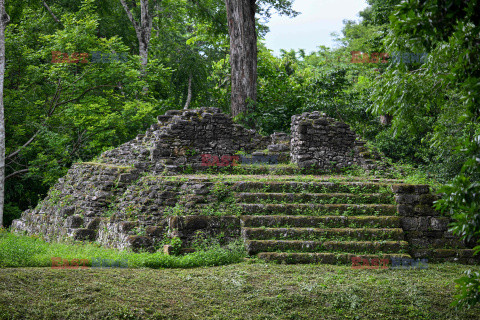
point(143, 30)
point(243, 53)
point(189, 94)
point(143, 51)
point(4, 19)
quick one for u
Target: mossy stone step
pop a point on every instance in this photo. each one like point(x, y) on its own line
point(313, 187)
point(268, 169)
point(256, 246)
point(274, 221)
point(322, 257)
point(466, 256)
point(370, 234)
point(338, 198)
point(319, 209)
point(261, 157)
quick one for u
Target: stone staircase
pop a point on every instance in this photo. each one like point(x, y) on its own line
point(320, 222)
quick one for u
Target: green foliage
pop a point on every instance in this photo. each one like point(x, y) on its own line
point(439, 100)
point(216, 256)
point(177, 210)
point(23, 251)
point(291, 85)
point(10, 213)
point(74, 111)
point(18, 253)
point(469, 290)
point(204, 240)
point(436, 100)
point(221, 191)
point(462, 198)
point(283, 7)
point(176, 244)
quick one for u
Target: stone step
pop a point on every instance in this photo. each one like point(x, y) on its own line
point(256, 246)
point(332, 198)
point(319, 209)
point(312, 187)
point(444, 253)
point(370, 234)
point(265, 169)
point(280, 147)
point(323, 257)
point(275, 221)
point(265, 158)
point(280, 169)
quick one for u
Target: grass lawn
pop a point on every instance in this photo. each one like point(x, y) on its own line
point(237, 291)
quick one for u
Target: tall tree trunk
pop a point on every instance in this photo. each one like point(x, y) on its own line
point(243, 53)
point(4, 19)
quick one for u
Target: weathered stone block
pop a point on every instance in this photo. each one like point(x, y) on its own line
point(422, 253)
point(93, 225)
point(403, 188)
point(156, 231)
point(67, 211)
point(140, 243)
point(406, 198)
point(127, 178)
point(415, 223)
point(278, 148)
point(85, 235)
point(427, 199)
point(422, 189)
point(443, 253)
point(425, 210)
point(127, 226)
point(439, 224)
point(74, 221)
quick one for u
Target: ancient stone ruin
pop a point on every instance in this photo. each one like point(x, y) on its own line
point(185, 178)
point(322, 142)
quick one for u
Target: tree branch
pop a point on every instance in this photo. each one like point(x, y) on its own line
point(16, 173)
point(130, 15)
point(55, 99)
point(51, 12)
point(84, 93)
point(13, 154)
point(50, 113)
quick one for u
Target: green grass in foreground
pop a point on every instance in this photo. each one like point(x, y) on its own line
point(240, 291)
point(24, 251)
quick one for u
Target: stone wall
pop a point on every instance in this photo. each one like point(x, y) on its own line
point(326, 144)
point(425, 229)
point(190, 229)
point(156, 207)
point(73, 207)
point(120, 208)
point(180, 138)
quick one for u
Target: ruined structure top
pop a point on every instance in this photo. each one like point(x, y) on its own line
point(181, 137)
